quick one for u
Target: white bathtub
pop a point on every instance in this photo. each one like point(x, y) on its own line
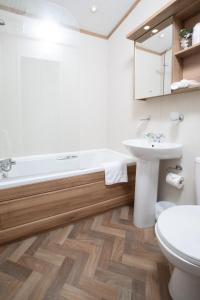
point(40, 168)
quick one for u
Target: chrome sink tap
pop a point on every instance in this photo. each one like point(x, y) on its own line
point(154, 138)
point(159, 137)
point(150, 137)
point(6, 166)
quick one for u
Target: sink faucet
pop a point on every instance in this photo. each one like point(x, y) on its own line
point(6, 166)
point(160, 137)
point(154, 138)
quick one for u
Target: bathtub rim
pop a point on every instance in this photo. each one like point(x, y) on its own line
point(52, 155)
point(8, 183)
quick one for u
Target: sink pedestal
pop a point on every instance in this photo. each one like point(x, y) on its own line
point(149, 155)
point(146, 190)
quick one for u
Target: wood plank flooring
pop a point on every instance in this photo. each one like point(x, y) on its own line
point(103, 257)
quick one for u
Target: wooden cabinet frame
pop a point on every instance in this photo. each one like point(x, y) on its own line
point(180, 13)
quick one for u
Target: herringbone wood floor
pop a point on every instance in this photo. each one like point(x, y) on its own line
point(103, 257)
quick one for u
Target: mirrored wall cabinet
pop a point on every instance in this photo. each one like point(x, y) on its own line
point(167, 51)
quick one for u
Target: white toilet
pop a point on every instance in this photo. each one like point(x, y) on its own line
point(178, 233)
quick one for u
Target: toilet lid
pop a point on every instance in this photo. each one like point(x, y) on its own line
point(179, 227)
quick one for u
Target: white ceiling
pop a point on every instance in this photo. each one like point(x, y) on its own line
point(109, 13)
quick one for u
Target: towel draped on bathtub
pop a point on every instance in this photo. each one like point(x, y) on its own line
point(115, 172)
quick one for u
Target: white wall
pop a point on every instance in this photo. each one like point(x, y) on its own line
point(125, 111)
point(94, 92)
point(53, 97)
point(40, 99)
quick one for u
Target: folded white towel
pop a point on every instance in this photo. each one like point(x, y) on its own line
point(194, 83)
point(184, 83)
point(180, 84)
point(115, 172)
point(175, 86)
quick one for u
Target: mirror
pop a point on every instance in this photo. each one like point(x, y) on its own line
point(153, 64)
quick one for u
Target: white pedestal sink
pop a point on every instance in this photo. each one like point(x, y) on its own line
point(149, 155)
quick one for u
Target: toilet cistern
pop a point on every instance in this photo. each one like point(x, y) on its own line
point(149, 155)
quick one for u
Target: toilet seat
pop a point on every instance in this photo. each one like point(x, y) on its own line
point(179, 228)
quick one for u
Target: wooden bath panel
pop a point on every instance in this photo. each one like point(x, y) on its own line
point(50, 186)
point(23, 212)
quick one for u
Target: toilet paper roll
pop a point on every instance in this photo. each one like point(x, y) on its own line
point(175, 180)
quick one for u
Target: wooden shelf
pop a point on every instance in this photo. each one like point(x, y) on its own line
point(178, 14)
point(184, 8)
point(179, 91)
point(189, 51)
point(186, 90)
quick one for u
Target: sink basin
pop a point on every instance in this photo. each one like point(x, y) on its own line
point(146, 186)
point(146, 150)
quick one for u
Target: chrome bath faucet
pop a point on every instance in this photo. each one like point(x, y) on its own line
point(6, 166)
